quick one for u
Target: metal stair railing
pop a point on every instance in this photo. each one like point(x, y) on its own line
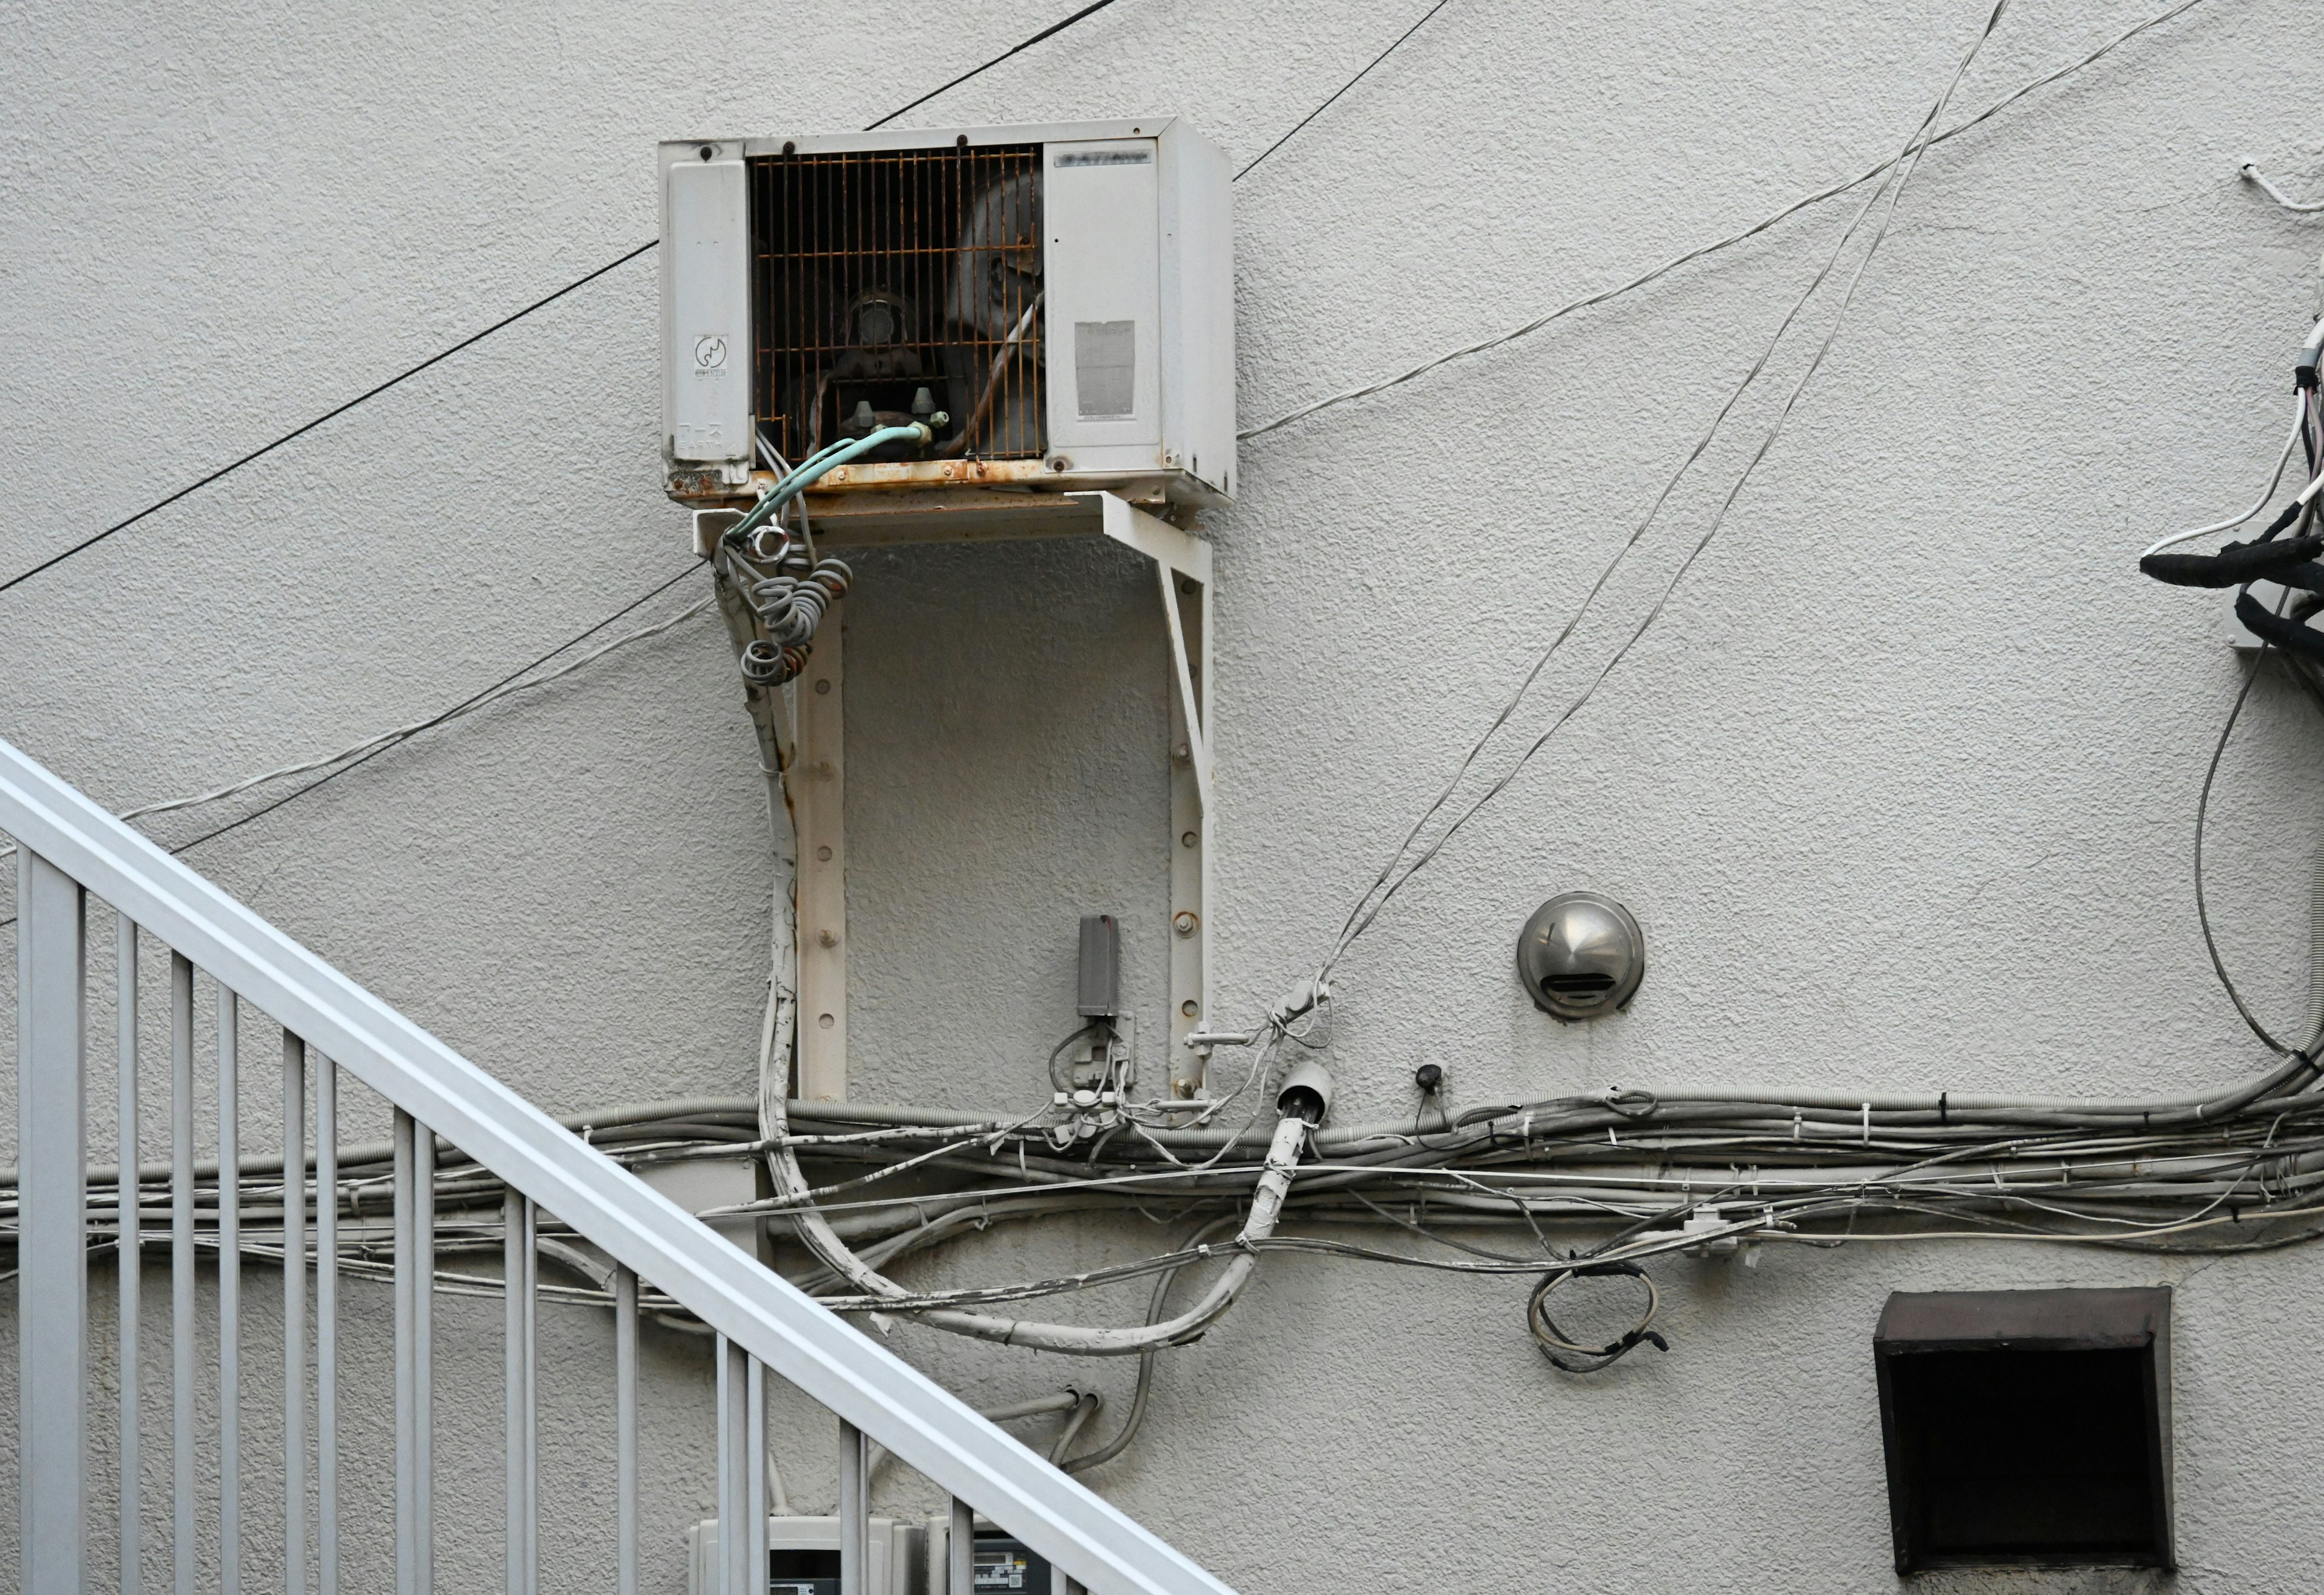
point(69, 848)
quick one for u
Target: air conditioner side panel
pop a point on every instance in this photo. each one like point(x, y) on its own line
point(1198, 362)
point(1102, 319)
point(706, 296)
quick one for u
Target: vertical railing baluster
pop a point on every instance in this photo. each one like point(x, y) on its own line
point(423, 1359)
point(184, 1537)
point(52, 1218)
point(407, 1555)
point(625, 1432)
point(415, 1271)
point(731, 1567)
point(531, 1398)
point(512, 1330)
point(960, 1550)
point(754, 1470)
point(129, 1253)
point(854, 1510)
point(327, 1326)
point(519, 1267)
point(229, 1266)
point(294, 1315)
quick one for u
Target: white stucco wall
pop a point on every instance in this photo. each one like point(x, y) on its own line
point(1902, 785)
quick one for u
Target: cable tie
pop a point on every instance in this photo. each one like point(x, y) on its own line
point(1796, 1124)
point(1867, 1124)
point(1941, 1118)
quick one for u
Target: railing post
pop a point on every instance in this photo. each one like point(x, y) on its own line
point(229, 1267)
point(754, 1472)
point(52, 1263)
point(960, 1550)
point(625, 1432)
point(294, 1315)
point(733, 1563)
point(327, 1326)
point(415, 1285)
point(185, 1537)
point(519, 1250)
point(128, 1254)
point(854, 1510)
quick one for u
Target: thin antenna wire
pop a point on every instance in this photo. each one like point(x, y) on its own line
point(1050, 31)
point(332, 414)
point(1900, 167)
point(1343, 89)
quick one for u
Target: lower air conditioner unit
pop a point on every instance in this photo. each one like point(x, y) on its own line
point(1062, 295)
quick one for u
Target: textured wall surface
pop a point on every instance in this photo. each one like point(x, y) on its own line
point(1902, 783)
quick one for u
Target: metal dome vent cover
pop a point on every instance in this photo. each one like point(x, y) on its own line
point(1581, 955)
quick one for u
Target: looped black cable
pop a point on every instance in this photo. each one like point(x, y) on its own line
point(2290, 635)
point(1553, 1340)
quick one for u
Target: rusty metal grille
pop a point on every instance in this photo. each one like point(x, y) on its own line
point(889, 284)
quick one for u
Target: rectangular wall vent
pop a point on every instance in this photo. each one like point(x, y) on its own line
point(2027, 1427)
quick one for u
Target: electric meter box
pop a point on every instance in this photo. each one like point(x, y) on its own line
point(803, 1557)
point(1062, 295)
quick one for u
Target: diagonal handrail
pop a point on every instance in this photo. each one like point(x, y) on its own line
point(813, 1348)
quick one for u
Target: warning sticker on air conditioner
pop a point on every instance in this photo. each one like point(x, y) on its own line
point(1105, 368)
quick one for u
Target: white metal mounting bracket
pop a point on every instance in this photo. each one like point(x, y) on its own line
point(1181, 564)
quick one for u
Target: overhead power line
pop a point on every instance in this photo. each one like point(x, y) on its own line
point(362, 752)
point(1407, 862)
point(1343, 89)
point(1050, 31)
point(476, 338)
point(332, 414)
point(1699, 251)
point(501, 689)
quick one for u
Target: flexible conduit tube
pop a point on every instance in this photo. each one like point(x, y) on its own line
point(1289, 1140)
point(824, 461)
point(2316, 944)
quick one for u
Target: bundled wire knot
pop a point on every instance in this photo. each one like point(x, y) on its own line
point(789, 608)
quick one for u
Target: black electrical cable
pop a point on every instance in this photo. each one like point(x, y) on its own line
point(509, 321)
point(2202, 907)
point(450, 713)
point(1050, 31)
point(295, 432)
point(1343, 89)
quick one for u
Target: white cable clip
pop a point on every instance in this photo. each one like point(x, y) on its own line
point(1867, 1124)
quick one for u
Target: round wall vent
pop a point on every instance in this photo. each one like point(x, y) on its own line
point(1581, 955)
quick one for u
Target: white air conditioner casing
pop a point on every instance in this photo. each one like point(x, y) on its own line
point(1064, 293)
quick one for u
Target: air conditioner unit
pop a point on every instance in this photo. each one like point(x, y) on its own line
point(1062, 295)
